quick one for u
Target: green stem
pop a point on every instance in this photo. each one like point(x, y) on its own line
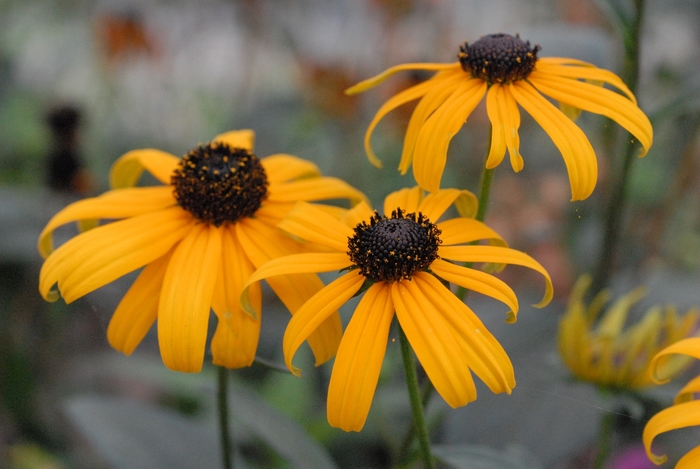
point(604, 440)
point(416, 404)
point(618, 193)
point(226, 436)
point(407, 442)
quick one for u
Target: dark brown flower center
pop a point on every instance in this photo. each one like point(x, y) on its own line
point(219, 184)
point(392, 249)
point(499, 58)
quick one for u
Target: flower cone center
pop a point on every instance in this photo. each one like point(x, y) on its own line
point(219, 184)
point(499, 58)
point(390, 249)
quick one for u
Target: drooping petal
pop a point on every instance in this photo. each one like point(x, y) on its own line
point(504, 115)
point(359, 360)
point(400, 99)
point(687, 393)
point(466, 230)
point(575, 148)
point(185, 300)
point(677, 416)
point(377, 79)
point(498, 255)
point(511, 116)
point(262, 243)
point(584, 71)
point(478, 281)
point(317, 310)
point(322, 188)
point(281, 168)
point(102, 255)
point(138, 309)
point(498, 137)
point(597, 100)
point(407, 199)
point(235, 340)
point(120, 203)
point(311, 224)
point(691, 459)
point(436, 204)
point(127, 170)
point(434, 137)
point(237, 139)
point(690, 347)
point(442, 88)
point(485, 355)
point(434, 344)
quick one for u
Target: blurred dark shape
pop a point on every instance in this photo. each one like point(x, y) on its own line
point(324, 89)
point(123, 36)
point(65, 168)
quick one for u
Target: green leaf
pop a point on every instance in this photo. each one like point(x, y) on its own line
point(483, 457)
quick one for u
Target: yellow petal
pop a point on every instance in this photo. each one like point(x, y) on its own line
point(466, 230)
point(235, 340)
point(672, 418)
point(511, 116)
point(687, 393)
point(377, 79)
point(400, 99)
point(407, 199)
point(311, 224)
point(434, 137)
point(485, 355)
point(575, 148)
point(237, 139)
point(262, 243)
point(597, 100)
point(443, 85)
point(138, 310)
point(690, 347)
point(317, 310)
point(357, 214)
point(478, 281)
point(102, 255)
point(691, 460)
point(322, 188)
point(120, 203)
point(185, 300)
point(584, 71)
point(282, 168)
point(434, 344)
point(436, 204)
point(359, 360)
point(613, 320)
point(498, 255)
point(498, 137)
point(127, 170)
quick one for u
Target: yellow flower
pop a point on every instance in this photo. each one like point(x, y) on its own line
point(508, 71)
point(199, 236)
point(404, 261)
point(684, 412)
point(598, 351)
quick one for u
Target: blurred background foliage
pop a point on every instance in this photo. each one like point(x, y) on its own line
point(169, 75)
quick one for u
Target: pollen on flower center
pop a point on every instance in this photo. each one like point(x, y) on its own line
point(390, 249)
point(218, 184)
point(499, 58)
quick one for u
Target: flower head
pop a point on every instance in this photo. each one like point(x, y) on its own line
point(596, 349)
point(404, 261)
point(508, 72)
point(199, 236)
point(685, 411)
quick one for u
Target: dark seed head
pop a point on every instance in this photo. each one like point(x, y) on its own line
point(392, 249)
point(499, 58)
point(219, 184)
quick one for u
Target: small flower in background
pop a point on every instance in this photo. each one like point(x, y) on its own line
point(401, 264)
point(685, 411)
point(199, 236)
point(508, 72)
point(595, 348)
point(123, 36)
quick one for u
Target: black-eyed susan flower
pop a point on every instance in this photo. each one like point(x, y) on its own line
point(508, 72)
point(404, 261)
point(200, 236)
point(685, 411)
point(596, 347)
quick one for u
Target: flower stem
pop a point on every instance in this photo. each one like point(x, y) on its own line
point(226, 436)
point(415, 396)
point(619, 182)
point(604, 440)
